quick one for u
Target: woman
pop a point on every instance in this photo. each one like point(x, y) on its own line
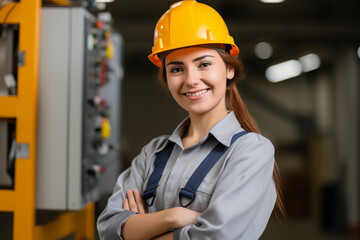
point(214, 177)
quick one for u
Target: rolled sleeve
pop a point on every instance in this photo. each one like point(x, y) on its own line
point(244, 195)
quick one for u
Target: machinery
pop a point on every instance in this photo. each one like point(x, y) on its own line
point(60, 89)
point(8, 45)
point(79, 104)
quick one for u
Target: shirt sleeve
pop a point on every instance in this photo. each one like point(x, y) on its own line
point(111, 220)
point(244, 195)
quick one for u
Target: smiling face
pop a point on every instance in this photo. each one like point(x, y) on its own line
point(196, 78)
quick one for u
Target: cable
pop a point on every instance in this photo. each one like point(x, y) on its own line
point(4, 25)
point(7, 14)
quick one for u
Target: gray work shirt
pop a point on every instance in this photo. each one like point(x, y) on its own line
point(236, 197)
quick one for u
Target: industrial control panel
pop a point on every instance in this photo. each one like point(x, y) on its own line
point(78, 108)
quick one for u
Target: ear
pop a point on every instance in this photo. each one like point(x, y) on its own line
point(230, 72)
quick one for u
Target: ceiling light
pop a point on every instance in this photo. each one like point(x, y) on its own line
point(103, 1)
point(310, 62)
point(263, 50)
point(272, 1)
point(283, 71)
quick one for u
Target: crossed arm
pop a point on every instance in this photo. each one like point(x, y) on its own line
point(158, 225)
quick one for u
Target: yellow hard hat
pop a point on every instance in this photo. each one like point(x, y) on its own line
point(189, 23)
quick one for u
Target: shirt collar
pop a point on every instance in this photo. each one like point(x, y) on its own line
point(223, 131)
point(178, 132)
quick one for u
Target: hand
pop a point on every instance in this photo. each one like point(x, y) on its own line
point(134, 202)
point(183, 216)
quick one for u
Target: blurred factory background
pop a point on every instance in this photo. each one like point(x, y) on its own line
point(302, 60)
point(312, 117)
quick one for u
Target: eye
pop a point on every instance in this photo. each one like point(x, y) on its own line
point(204, 64)
point(176, 69)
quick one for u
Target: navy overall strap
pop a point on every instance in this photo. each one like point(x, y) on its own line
point(159, 165)
point(189, 191)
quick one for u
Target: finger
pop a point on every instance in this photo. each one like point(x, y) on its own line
point(139, 201)
point(132, 202)
point(126, 204)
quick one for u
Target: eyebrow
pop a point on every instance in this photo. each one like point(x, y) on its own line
point(201, 57)
point(194, 60)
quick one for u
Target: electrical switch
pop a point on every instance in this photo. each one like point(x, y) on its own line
point(103, 149)
point(95, 101)
point(105, 128)
point(95, 170)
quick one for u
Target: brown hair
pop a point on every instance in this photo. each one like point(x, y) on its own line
point(237, 105)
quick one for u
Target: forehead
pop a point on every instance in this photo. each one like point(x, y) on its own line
point(190, 53)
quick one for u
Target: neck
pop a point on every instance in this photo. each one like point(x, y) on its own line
point(200, 125)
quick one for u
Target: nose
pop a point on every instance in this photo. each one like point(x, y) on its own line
point(192, 77)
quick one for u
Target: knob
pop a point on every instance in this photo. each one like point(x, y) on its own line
point(95, 170)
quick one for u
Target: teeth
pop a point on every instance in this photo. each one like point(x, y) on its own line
point(196, 93)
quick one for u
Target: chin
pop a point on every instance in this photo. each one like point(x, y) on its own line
point(198, 111)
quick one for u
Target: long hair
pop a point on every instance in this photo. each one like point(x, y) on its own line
point(237, 105)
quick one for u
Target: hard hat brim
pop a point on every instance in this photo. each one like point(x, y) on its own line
point(155, 59)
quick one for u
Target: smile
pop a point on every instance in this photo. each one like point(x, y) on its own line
point(195, 94)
